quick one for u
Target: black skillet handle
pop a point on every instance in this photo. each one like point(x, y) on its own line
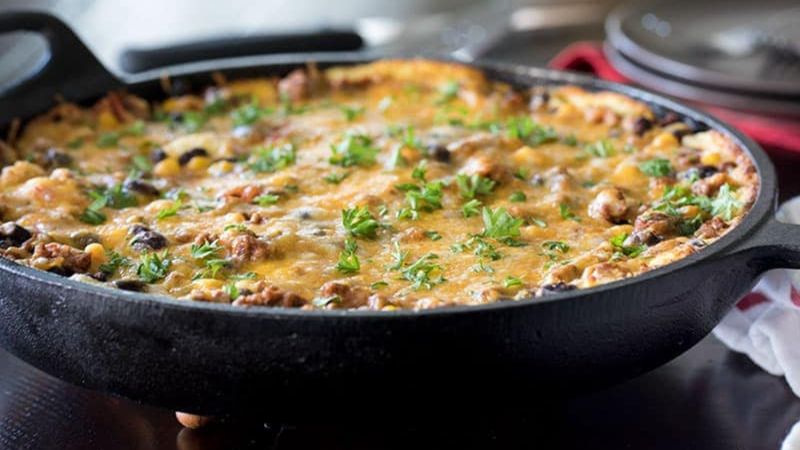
point(774, 245)
point(71, 71)
point(138, 60)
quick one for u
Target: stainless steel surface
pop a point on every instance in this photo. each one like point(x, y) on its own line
point(719, 44)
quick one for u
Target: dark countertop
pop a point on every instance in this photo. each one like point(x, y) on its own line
point(709, 398)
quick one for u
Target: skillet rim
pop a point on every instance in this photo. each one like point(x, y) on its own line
point(760, 211)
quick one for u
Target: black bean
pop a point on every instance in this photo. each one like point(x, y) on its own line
point(13, 235)
point(146, 239)
point(99, 276)
point(680, 133)
point(557, 287)
point(699, 172)
point(55, 158)
point(131, 285)
point(158, 155)
point(63, 271)
point(439, 152)
point(189, 154)
point(141, 187)
point(642, 125)
point(695, 125)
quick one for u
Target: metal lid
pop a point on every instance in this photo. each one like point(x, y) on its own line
point(736, 45)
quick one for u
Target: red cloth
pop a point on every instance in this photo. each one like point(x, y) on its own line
point(768, 131)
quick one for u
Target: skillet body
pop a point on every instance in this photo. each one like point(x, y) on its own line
point(289, 364)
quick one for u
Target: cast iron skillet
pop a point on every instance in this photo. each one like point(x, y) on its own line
point(291, 364)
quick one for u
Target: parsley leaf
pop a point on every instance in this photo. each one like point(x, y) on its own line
point(113, 262)
point(206, 250)
point(725, 204)
point(266, 199)
point(353, 150)
point(471, 208)
point(600, 149)
point(272, 159)
point(560, 246)
point(352, 113)
point(631, 251)
point(501, 225)
point(170, 211)
point(517, 197)
point(530, 132)
point(153, 266)
point(348, 261)
point(658, 167)
point(359, 222)
point(566, 213)
point(422, 272)
point(335, 178)
point(512, 282)
point(471, 186)
point(248, 114)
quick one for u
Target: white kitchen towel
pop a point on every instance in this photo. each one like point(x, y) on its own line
point(765, 324)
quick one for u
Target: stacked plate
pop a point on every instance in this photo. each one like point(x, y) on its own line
point(737, 54)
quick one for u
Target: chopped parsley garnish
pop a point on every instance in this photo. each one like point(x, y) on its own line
point(114, 197)
point(470, 186)
point(471, 208)
point(153, 266)
point(566, 213)
point(725, 204)
point(378, 285)
point(266, 199)
point(512, 282)
point(212, 268)
point(248, 114)
point(322, 302)
point(600, 149)
point(620, 249)
point(236, 227)
point(243, 276)
point(427, 197)
point(353, 150)
point(399, 256)
point(352, 113)
point(141, 164)
point(92, 216)
point(335, 178)
point(423, 273)
point(433, 235)
point(517, 197)
point(420, 171)
point(658, 167)
point(501, 225)
point(113, 262)
point(448, 92)
point(206, 250)
point(348, 261)
point(570, 140)
point(272, 159)
point(359, 222)
point(108, 139)
point(170, 211)
point(521, 174)
point(231, 290)
point(193, 120)
point(559, 246)
point(530, 132)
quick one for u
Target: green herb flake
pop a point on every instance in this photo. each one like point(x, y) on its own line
point(725, 205)
point(153, 266)
point(351, 113)
point(272, 159)
point(501, 225)
point(559, 246)
point(517, 197)
point(470, 186)
point(511, 282)
point(205, 250)
point(170, 211)
point(113, 262)
point(620, 249)
point(266, 199)
point(335, 178)
point(348, 261)
point(248, 114)
point(433, 235)
point(530, 132)
point(471, 208)
point(658, 167)
point(353, 150)
point(600, 149)
point(231, 290)
point(359, 222)
point(566, 213)
point(448, 92)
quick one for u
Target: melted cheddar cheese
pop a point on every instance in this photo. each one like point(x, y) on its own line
point(395, 184)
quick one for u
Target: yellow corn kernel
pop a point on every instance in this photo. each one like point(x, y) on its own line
point(97, 252)
point(220, 168)
point(665, 140)
point(198, 163)
point(711, 158)
point(107, 120)
point(626, 173)
point(208, 283)
point(167, 168)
